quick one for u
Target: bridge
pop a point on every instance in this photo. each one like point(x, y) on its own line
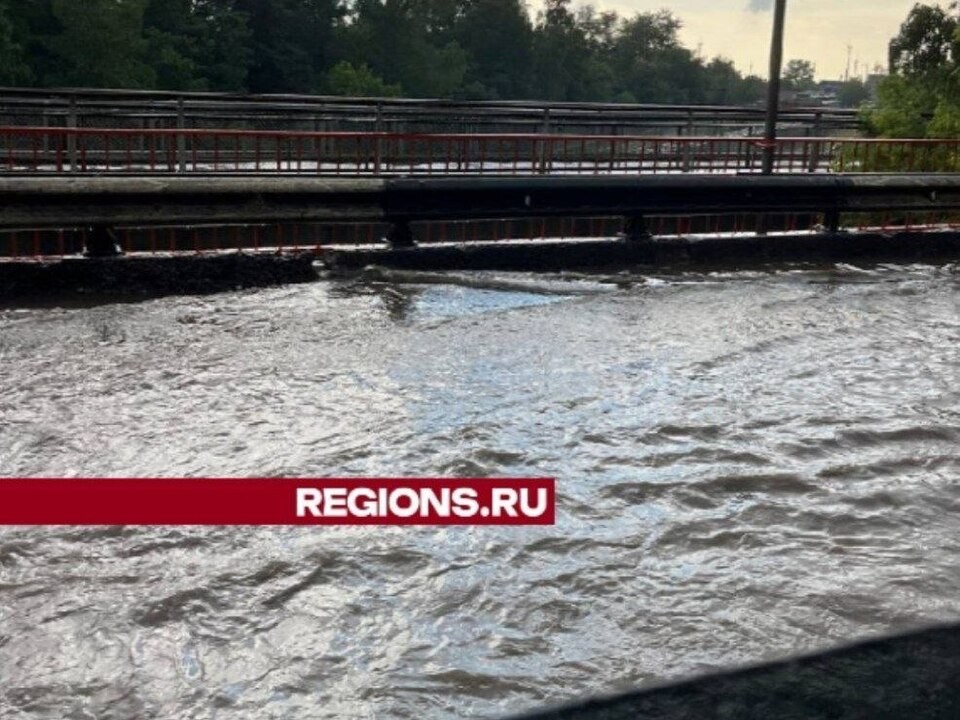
point(405, 208)
point(274, 162)
point(148, 181)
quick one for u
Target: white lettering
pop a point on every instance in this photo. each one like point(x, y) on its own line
point(431, 502)
point(504, 502)
point(362, 502)
point(335, 502)
point(530, 511)
point(412, 506)
point(308, 501)
point(465, 502)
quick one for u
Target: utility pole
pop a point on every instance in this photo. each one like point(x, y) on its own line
point(773, 86)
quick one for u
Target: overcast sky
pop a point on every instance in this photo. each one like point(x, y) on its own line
point(816, 30)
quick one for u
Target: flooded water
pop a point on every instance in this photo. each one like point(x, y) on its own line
point(749, 465)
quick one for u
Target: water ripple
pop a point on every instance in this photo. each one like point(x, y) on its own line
point(749, 464)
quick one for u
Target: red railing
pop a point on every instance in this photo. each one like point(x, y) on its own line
point(87, 150)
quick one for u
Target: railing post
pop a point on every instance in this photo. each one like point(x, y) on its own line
point(378, 143)
point(71, 136)
point(399, 235)
point(815, 155)
point(545, 133)
point(101, 241)
point(635, 229)
point(181, 137)
point(831, 220)
point(688, 147)
point(46, 137)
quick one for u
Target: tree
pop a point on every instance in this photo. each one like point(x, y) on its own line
point(173, 35)
point(899, 110)
point(723, 85)
point(560, 54)
point(13, 67)
point(393, 38)
point(224, 49)
point(345, 79)
point(921, 96)
point(100, 44)
point(798, 75)
point(429, 48)
point(498, 38)
point(649, 62)
point(926, 44)
point(291, 43)
point(32, 24)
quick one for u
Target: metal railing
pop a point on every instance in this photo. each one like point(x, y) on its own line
point(151, 109)
point(358, 154)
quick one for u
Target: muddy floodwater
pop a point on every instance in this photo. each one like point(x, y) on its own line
point(749, 465)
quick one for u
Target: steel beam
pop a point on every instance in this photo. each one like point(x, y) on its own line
point(144, 201)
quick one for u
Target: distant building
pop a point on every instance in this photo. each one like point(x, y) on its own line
point(807, 98)
point(829, 88)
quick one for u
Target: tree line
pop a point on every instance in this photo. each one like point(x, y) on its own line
point(468, 49)
point(921, 95)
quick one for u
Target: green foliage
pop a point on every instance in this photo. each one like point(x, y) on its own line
point(898, 157)
point(497, 36)
point(926, 44)
point(291, 43)
point(172, 32)
point(945, 122)
point(13, 66)
point(101, 44)
point(643, 57)
point(345, 79)
point(799, 75)
point(561, 55)
point(900, 109)
point(197, 44)
point(429, 48)
point(921, 96)
point(910, 107)
point(396, 40)
point(224, 51)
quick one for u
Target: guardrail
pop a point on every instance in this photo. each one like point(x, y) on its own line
point(151, 109)
point(56, 150)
